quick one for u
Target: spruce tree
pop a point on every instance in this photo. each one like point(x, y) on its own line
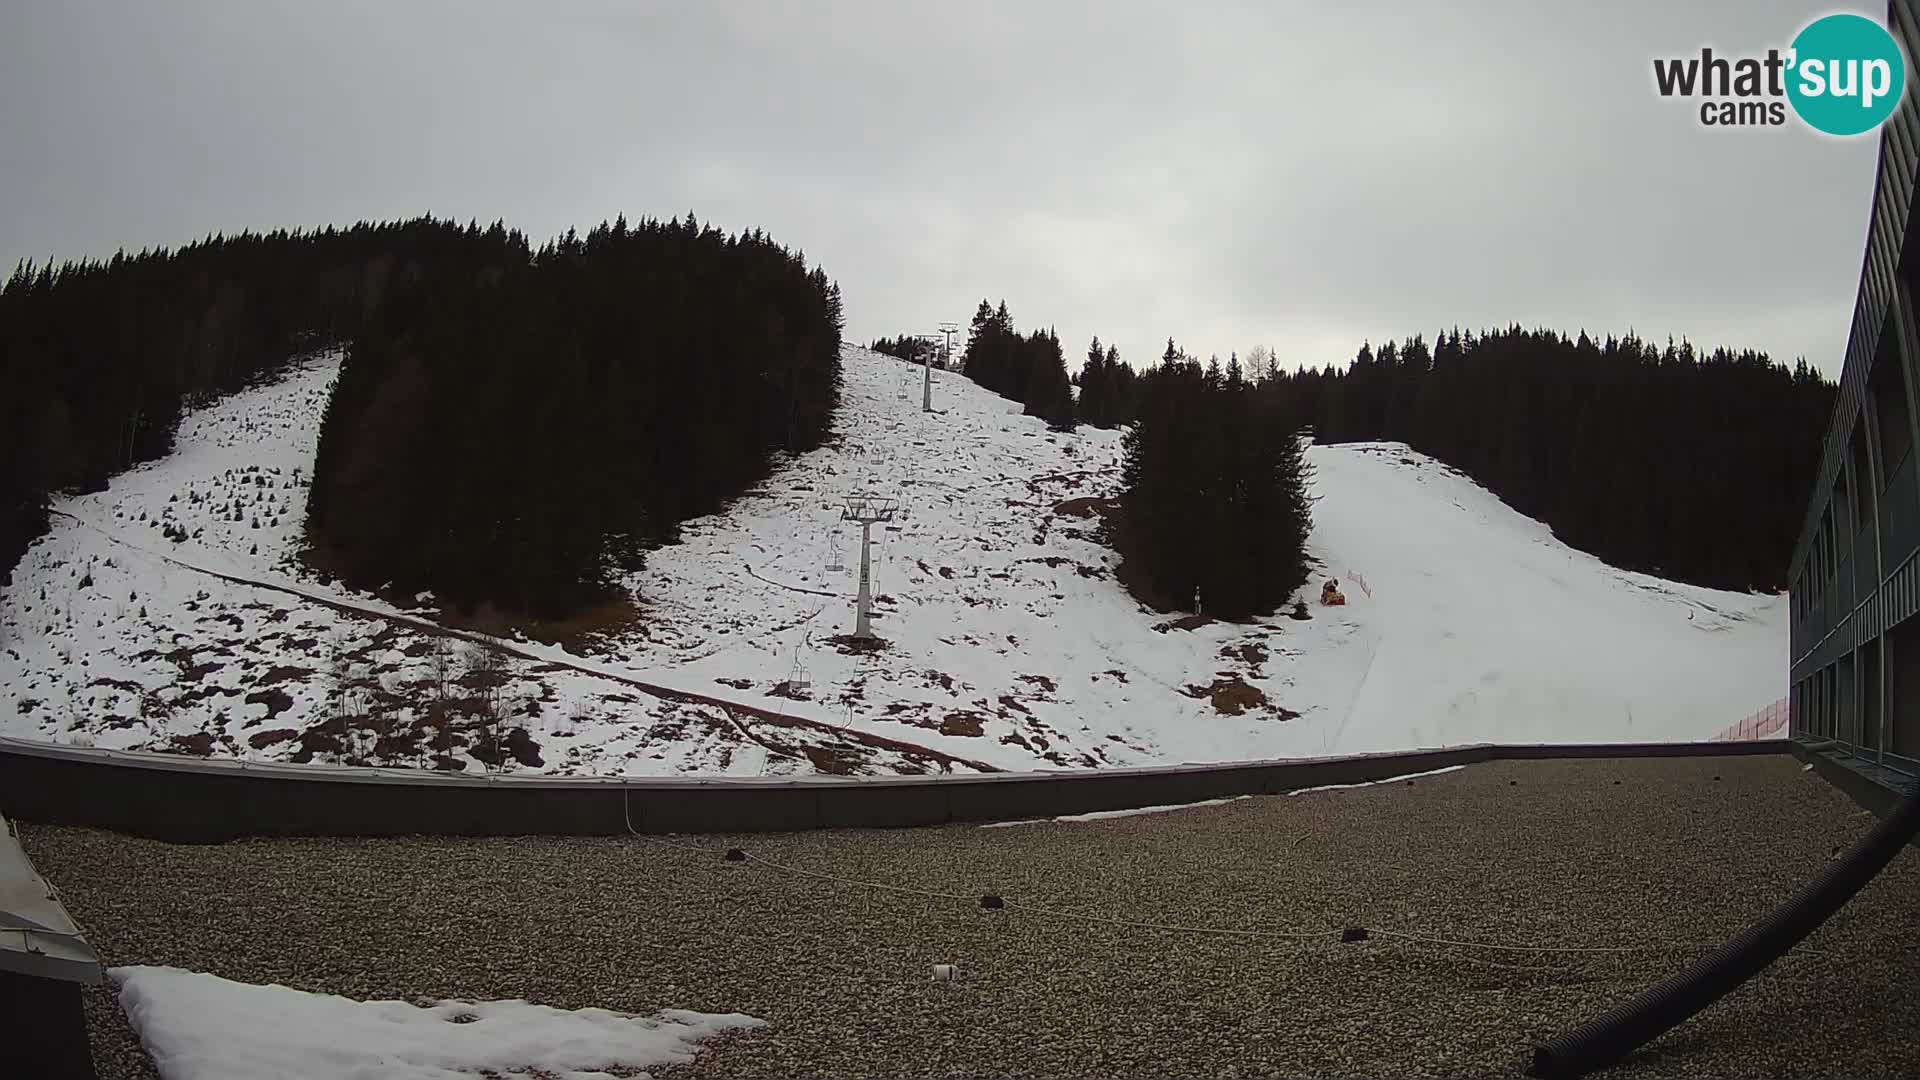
point(1120, 382)
point(1215, 506)
point(1094, 406)
point(1047, 393)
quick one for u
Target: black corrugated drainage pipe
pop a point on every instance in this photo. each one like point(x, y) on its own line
point(1602, 1042)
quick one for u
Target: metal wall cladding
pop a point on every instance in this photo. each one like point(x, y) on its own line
point(1877, 584)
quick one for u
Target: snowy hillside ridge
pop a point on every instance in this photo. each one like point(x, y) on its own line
point(170, 612)
point(1009, 644)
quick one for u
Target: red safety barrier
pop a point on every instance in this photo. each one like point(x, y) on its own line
point(1768, 723)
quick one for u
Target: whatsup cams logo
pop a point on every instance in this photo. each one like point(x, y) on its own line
point(1843, 74)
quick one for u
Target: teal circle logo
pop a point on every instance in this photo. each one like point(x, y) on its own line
point(1845, 74)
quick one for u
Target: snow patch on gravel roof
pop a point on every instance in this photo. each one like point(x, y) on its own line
point(1103, 815)
point(202, 1027)
point(1376, 783)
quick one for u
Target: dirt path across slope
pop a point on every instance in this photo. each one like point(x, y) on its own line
point(734, 710)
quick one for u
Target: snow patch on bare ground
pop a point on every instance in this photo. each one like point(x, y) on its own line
point(171, 612)
point(1009, 637)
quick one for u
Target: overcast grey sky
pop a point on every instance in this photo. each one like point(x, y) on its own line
point(1302, 175)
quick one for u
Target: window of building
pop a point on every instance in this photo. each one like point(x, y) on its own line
point(1870, 696)
point(1828, 704)
point(1843, 506)
point(1846, 718)
point(1820, 559)
point(1863, 477)
point(1832, 694)
point(1903, 689)
point(1828, 549)
point(1816, 564)
point(1888, 388)
point(1822, 704)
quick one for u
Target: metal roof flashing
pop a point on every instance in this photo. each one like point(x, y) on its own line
point(37, 936)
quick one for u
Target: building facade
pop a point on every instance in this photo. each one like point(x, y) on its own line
point(1855, 584)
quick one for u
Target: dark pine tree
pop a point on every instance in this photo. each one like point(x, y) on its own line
point(1215, 510)
point(1049, 395)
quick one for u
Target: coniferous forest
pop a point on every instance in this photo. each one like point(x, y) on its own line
point(510, 426)
point(1692, 466)
point(1029, 369)
point(907, 347)
point(560, 414)
point(1688, 465)
point(1107, 387)
point(99, 357)
point(569, 406)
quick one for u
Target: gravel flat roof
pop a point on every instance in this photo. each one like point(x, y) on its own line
point(1665, 858)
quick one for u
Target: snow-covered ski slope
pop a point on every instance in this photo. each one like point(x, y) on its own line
point(1008, 643)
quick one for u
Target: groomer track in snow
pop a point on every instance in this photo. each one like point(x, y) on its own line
point(170, 612)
